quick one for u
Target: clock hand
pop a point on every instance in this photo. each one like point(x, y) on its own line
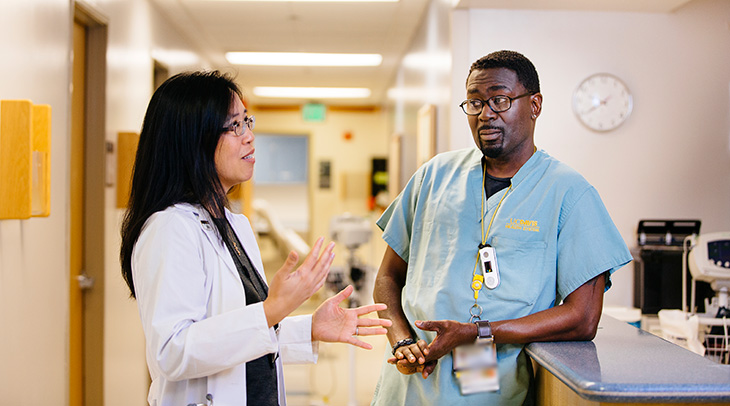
point(600, 103)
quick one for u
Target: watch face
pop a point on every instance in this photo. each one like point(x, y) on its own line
point(602, 102)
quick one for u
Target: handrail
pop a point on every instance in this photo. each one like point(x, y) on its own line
point(282, 235)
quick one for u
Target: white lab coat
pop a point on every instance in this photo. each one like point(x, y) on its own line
point(199, 332)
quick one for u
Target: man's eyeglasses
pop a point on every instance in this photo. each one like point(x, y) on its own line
point(239, 128)
point(498, 104)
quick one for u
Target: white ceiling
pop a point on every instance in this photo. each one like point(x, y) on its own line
point(216, 27)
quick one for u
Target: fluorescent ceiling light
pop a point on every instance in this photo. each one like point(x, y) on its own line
point(302, 59)
point(312, 92)
point(175, 57)
point(312, 1)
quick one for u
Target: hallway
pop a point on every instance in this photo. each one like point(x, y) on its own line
point(669, 167)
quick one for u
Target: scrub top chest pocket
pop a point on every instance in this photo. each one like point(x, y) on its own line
point(522, 275)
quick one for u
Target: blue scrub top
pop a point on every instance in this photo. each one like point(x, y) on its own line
point(551, 234)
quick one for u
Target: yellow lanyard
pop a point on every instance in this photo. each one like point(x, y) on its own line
point(477, 280)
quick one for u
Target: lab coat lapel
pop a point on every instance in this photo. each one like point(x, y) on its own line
point(208, 228)
point(248, 240)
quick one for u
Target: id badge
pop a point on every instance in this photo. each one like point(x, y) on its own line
point(475, 367)
point(490, 270)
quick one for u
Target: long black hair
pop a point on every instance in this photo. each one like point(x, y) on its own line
point(175, 160)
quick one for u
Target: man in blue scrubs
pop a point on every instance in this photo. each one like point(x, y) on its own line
point(554, 243)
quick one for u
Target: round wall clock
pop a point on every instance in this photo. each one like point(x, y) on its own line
point(602, 102)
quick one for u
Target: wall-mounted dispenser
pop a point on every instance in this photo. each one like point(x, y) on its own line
point(41, 161)
point(15, 157)
point(25, 148)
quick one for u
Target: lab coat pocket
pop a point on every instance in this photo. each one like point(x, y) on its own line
point(522, 274)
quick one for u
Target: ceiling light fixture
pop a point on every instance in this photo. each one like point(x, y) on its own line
point(312, 92)
point(313, 1)
point(302, 59)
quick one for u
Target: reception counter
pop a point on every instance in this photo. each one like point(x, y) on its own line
point(625, 365)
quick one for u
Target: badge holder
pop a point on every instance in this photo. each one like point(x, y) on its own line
point(490, 270)
point(475, 366)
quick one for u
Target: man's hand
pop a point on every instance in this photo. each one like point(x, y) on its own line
point(423, 358)
point(411, 359)
point(407, 368)
point(449, 335)
point(388, 288)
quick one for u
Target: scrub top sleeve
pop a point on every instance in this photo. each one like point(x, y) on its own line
point(588, 244)
point(397, 220)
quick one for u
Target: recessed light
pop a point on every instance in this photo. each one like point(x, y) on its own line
point(302, 59)
point(312, 92)
point(320, 1)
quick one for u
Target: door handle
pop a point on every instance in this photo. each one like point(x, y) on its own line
point(86, 282)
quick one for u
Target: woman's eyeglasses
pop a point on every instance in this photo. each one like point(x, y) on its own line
point(238, 127)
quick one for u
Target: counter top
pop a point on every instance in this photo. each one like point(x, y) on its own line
point(626, 364)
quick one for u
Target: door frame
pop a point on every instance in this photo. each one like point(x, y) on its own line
point(94, 239)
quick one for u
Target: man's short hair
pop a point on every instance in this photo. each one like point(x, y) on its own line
point(515, 61)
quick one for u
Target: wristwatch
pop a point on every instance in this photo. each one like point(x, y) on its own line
point(484, 332)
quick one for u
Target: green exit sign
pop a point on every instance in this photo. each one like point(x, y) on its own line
point(314, 112)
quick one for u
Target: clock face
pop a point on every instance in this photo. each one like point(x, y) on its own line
point(602, 102)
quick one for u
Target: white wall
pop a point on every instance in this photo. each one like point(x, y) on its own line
point(671, 158)
point(34, 44)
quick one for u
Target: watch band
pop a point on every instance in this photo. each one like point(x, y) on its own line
point(484, 330)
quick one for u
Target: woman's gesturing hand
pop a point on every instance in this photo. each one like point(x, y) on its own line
point(332, 323)
point(288, 290)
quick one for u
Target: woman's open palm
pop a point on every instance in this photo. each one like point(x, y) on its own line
point(332, 323)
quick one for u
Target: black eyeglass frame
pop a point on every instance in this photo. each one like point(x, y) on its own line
point(248, 121)
point(488, 103)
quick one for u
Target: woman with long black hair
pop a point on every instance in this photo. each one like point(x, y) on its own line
point(213, 326)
